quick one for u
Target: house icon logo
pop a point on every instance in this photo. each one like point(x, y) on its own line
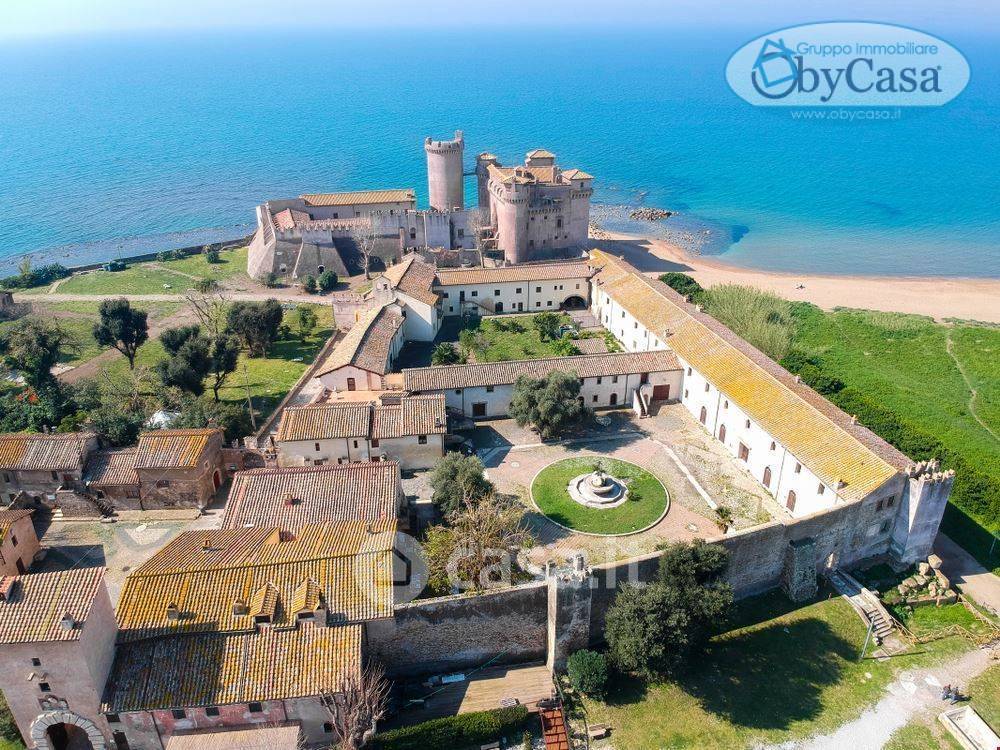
point(775, 64)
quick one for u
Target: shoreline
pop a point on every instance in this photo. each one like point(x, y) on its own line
point(938, 297)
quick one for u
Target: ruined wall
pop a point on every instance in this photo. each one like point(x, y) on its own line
point(456, 632)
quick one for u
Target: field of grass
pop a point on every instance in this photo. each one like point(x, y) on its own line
point(985, 694)
point(646, 502)
point(924, 374)
point(930, 620)
point(169, 277)
point(785, 672)
point(922, 735)
point(505, 339)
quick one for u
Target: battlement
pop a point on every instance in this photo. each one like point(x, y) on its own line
point(928, 471)
point(456, 144)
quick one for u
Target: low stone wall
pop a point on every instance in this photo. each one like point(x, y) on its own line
point(457, 632)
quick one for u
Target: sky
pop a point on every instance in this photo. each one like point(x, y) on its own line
point(29, 18)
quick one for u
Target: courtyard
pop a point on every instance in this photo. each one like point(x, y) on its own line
point(695, 471)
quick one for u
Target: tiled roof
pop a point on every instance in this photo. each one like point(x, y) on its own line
point(520, 272)
point(360, 197)
point(817, 433)
point(203, 574)
point(325, 421)
point(414, 278)
point(35, 451)
point(594, 345)
point(577, 174)
point(504, 373)
point(34, 605)
point(212, 669)
point(413, 415)
point(368, 344)
point(261, 738)
point(358, 491)
point(541, 153)
point(165, 449)
point(112, 468)
point(288, 218)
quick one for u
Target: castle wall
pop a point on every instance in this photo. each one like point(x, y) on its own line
point(459, 632)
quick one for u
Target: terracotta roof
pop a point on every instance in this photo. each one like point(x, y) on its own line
point(414, 278)
point(112, 468)
point(358, 491)
point(288, 218)
point(165, 449)
point(505, 373)
point(34, 605)
point(816, 432)
point(261, 738)
point(368, 344)
point(36, 451)
point(203, 574)
point(594, 345)
point(520, 272)
point(359, 197)
point(413, 415)
point(541, 153)
point(212, 669)
point(325, 421)
point(577, 174)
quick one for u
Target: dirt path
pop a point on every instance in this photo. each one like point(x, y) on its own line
point(282, 295)
point(913, 692)
point(965, 572)
point(949, 347)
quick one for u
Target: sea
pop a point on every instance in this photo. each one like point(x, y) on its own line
point(118, 145)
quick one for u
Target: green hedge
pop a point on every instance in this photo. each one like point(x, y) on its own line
point(975, 495)
point(456, 732)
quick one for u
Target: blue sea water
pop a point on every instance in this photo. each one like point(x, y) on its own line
point(112, 145)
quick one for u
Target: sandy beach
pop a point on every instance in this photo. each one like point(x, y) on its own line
point(939, 298)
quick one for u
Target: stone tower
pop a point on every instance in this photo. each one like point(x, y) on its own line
point(445, 172)
point(919, 515)
point(483, 162)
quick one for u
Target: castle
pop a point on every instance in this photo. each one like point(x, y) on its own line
point(530, 212)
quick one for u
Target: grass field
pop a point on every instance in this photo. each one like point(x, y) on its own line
point(169, 277)
point(646, 503)
point(927, 735)
point(785, 672)
point(514, 338)
point(985, 694)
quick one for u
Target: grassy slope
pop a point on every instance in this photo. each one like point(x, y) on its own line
point(549, 493)
point(787, 673)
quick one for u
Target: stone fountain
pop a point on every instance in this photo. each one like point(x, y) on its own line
point(598, 489)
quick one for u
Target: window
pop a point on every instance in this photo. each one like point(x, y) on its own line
point(549, 303)
point(614, 378)
point(461, 232)
point(685, 393)
point(36, 662)
point(113, 718)
point(885, 527)
point(722, 433)
point(518, 290)
point(594, 398)
point(212, 711)
point(13, 540)
point(790, 501)
point(374, 442)
point(537, 303)
point(475, 293)
point(327, 727)
point(878, 505)
point(44, 687)
point(538, 290)
point(599, 380)
point(422, 439)
point(821, 489)
point(6, 477)
point(496, 292)
point(444, 295)
point(458, 391)
point(559, 223)
point(635, 325)
point(355, 443)
point(767, 477)
point(890, 502)
point(178, 713)
point(747, 424)
point(317, 447)
point(161, 483)
point(707, 387)
point(798, 468)
point(744, 453)
point(413, 234)
point(256, 708)
point(489, 389)
point(773, 445)
point(55, 476)
point(725, 404)
point(121, 741)
point(351, 384)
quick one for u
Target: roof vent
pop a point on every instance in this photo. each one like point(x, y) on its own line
point(206, 545)
point(798, 378)
point(67, 622)
point(854, 419)
point(173, 613)
point(289, 499)
point(371, 528)
point(7, 588)
point(240, 607)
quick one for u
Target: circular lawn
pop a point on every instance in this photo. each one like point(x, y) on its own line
point(646, 504)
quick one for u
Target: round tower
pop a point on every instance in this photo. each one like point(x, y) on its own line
point(445, 178)
point(483, 162)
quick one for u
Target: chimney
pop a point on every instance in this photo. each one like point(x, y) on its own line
point(206, 545)
point(67, 622)
point(240, 607)
point(173, 614)
point(854, 419)
point(289, 500)
point(798, 378)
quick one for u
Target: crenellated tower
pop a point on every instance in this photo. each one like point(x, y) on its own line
point(924, 499)
point(445, 172)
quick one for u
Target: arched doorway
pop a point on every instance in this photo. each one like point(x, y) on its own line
point(217, 479)
point(574, 302)
point(63, 730)
point(614, 399)
point(67, 737)
point(790, 501)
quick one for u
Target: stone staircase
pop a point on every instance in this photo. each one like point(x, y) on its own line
point(865, 603)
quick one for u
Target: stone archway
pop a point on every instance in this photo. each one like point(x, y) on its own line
point(82, 733)
point(574, 302)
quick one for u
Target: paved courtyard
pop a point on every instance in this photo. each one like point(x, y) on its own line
point(695, 470)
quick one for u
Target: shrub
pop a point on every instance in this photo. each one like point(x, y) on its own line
point(309, 285)
point(588, 672)
point(456, 731)
point(683, 284)
point(457, 480)
point(206, 286)
point(445, 353)
point(327, 281)
point(762, 318)
point(163, 256)
point(212, 255)
point(30, 277)
point(270, 280)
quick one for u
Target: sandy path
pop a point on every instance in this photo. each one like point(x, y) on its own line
point(969, 299)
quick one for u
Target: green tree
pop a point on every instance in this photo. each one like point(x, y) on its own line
point(115, 425)
point(232, 417)
point(656, 629)
point(190, 359)
point(588, 672)
point(206, 286)
point(33, 347)
point(305, 320)
point(223, 353)
point(548, 325)
point(458, 481)
point(327, 281)
point(473, 342)
point(565, 347)
point(550, 404)
point(255, 324)
point(683, 285)
point(121, 327)
point(445, 353)
point(309, 285)
point(212, 254)
point(32, 410)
